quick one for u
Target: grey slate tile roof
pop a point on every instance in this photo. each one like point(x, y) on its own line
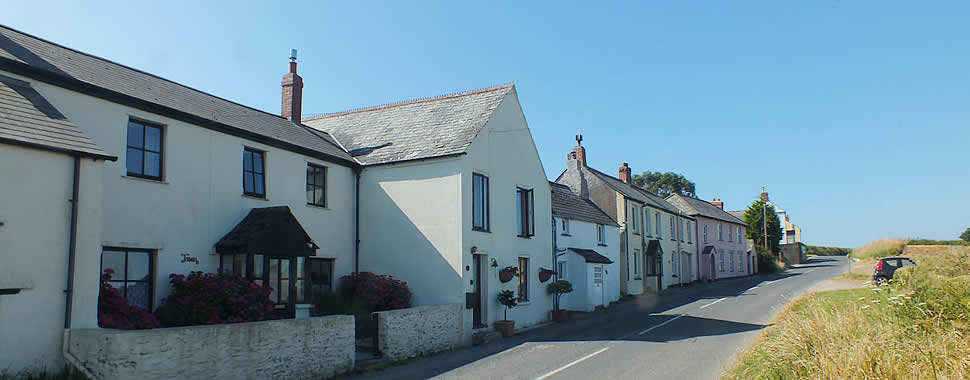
point(635, 192)
point(737, 214)
point(27, 118)
point(591, 256)
point(18, 48)
point(422, 128)
point(694, 207)
point(566, 204)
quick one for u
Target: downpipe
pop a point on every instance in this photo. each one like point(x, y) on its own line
point(69, 290)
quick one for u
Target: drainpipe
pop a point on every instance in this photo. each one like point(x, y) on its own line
point(680, 258)
point(72, 245)
point(357, 223)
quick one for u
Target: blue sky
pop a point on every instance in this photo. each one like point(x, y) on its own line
point(854, 115)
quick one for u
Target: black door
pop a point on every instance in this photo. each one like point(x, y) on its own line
point(477, 312)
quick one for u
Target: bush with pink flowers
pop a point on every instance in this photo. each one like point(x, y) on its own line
point(214, 298)
point(114, 312)
point(381, 292)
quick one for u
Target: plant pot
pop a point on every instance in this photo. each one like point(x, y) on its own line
point(507, 328)
point(560, 315)
point(506, 275)
point(545, 274)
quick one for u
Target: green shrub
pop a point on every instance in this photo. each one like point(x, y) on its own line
point(937, 242)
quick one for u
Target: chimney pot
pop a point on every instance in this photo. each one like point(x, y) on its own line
point(578, 154)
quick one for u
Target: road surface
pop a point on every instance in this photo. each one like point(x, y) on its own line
point(688, 333)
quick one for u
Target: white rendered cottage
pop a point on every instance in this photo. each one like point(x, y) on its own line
point(587, 243)
point(451, 192)
point(190, 168)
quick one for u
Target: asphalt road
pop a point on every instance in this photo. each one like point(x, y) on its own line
point(687, 333)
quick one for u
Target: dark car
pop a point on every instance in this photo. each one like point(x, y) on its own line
point(887, 266)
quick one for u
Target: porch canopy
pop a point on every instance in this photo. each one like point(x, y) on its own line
point(709, 250)
point(591, 256)
point(271, 231)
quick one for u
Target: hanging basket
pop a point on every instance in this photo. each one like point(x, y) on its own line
point(507, 273)
point(545, 274)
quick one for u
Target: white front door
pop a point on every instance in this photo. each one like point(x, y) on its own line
point(599, 287)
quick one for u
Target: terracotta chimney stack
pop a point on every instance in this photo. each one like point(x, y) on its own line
point(625, 173)
point(717, 203)
point(292, 92)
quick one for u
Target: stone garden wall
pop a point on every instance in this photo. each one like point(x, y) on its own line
point(417, 331)
point(313, 348)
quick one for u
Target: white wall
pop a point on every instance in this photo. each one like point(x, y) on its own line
point(411, 227)
point(578, 272)
point(200, 198)
point(34, 243)
point(504, 151)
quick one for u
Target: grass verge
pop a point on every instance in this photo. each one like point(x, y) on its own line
point(880, 248)
point(917, 327)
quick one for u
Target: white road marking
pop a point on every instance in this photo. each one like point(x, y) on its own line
point(662, 324)
point(722, 299)
point(574, 362)
point(770, 282)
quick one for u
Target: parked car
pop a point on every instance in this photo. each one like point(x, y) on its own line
point(887, 266)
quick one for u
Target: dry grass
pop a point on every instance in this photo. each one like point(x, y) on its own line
point(879, 248)
point(917, 327)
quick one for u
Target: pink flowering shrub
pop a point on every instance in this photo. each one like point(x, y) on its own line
point(214, 298)
point(114, 312)
point(381, 292)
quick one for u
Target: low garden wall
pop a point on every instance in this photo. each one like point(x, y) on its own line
point(312, 348)
point(406, 333)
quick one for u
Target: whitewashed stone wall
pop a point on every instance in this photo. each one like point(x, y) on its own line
point(312, 348)
point(407, 333)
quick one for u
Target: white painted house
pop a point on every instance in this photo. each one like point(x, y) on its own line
point(190, 168)
point(452, 191)
point(587, 243)
point(657, 243)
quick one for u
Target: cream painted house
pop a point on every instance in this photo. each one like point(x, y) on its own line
point(452, 191)
point(587, 243)
point(657, 242)
point(190, 168)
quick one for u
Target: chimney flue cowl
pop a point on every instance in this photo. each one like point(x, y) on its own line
point(292, 105)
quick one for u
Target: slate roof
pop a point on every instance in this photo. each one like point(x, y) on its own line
point(694, 207)
point(634, 192)
point(568, 205)
point(268, 231)
point(46, 61)
point(737, 214)
point(709, 249)
point(654, 248)
point(591, 256)
point(423, 128)
point(28, 119)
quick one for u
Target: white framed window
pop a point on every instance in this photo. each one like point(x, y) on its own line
point(633, 219)
point(690, 237)
point(705, 233)
point(720, 260)
point(565, 226)
point(601, 234)
point(673, 228)
point(646, 221)
point(731, 233)
point(680, 231)
point(636, 261)
point(561, 270)
point(731, 253)
point(657, 219)
point(523, 279)
point(720, 232)
point(740, 234)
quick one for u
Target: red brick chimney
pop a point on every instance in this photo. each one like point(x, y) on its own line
point(292, 92)
point(764, 194)
point(625, 173)
point(717, 203)
point(577, 158)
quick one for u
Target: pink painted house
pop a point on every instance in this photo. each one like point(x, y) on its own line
point(722, 248)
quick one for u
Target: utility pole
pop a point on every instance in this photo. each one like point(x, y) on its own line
point(764, 220)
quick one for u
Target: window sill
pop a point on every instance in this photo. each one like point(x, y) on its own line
point(311, 205)
point(565, 235)
point(635, 233)
point(524, 303)
point(601, 245)
point(525, 236)
point(158, 181)
point(481, 230)
point(255, 197)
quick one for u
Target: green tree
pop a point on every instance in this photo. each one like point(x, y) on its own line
point(754, 217)
point(965, 236)
point(664, 184)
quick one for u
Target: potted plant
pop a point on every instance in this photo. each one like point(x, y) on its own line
point(507, 299)
point(557, 289)
point(545, 274)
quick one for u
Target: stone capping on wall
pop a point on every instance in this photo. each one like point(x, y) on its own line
point(418, 331)
point(312, 348)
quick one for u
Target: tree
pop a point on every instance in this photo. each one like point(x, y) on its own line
point(965, 236)
point(664, 184)
point(557, 289)
point(754, 217)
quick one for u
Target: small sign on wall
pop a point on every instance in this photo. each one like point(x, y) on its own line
point(190, 259)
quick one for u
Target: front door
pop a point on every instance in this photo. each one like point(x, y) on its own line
point(598, 288)
point(477, 310)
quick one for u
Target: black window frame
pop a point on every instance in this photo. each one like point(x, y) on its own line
point(525, 199)
point(485, 202)
point(601, 235)
point(124, 276)
point(311, 187)
point(262, 174)
point(523, 279)
point(145, 125)
point(311, 262)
